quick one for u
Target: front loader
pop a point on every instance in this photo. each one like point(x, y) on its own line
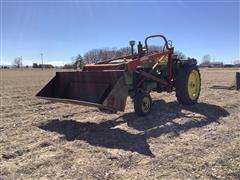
point(108, 83)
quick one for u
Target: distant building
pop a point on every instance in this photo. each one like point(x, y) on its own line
point(212, 65)
point(35, 65)
point(216, 64)
point(4, 67)
point(204, 65)
point(228, 65)
point(46, 66)
point(237, 65)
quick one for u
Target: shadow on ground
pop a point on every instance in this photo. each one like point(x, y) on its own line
point(233, 87)
point(160, 121)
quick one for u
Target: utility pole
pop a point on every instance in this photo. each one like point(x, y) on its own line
point(21, 63)
point(42, 59)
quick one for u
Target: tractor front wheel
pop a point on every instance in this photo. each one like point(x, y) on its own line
point(142, 103)
point(188, 84)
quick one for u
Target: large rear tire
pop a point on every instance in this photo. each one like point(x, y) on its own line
point(188, 84)
point(142, 104)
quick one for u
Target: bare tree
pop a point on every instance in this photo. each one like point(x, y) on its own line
point(124, 51)
point(17, 62)
point(180, 55)
point(96, 55)
point(91, 56)
point(77, 61)
point(206, 59)
point(155, 48)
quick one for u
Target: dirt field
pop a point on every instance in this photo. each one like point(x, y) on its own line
point(41, 139)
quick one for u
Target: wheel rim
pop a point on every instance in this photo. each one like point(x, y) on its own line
point(146, 103)
point(193, 85)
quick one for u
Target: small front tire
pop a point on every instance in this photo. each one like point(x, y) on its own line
point(142, 104)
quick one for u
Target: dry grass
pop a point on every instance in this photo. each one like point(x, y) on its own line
point(40, 139)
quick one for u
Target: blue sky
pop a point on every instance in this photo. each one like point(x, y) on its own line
point(62, 29)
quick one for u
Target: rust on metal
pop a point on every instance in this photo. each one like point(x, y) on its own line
point(82, 87)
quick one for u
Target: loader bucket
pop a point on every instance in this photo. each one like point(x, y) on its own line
point(106, 89)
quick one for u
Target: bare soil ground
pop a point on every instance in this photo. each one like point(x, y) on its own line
point(41, 139)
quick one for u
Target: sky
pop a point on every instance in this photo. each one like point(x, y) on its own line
point(63, 29)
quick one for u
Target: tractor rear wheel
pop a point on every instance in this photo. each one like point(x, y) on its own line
point(142, 103)
point(188, 84)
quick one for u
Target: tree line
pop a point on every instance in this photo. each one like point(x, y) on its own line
point(96, 55)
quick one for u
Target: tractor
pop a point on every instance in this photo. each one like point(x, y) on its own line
point(107, 84)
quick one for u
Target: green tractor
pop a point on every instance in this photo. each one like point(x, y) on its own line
point(107, 83)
